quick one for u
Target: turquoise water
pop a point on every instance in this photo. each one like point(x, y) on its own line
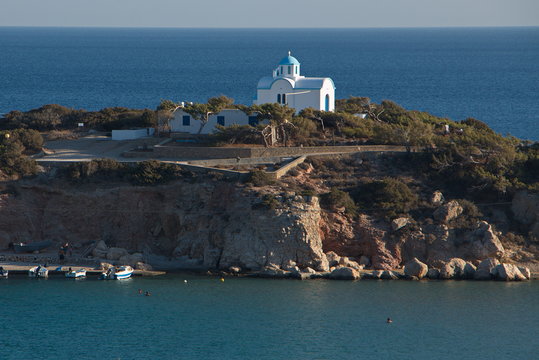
point(244, 318)
point(491, 74)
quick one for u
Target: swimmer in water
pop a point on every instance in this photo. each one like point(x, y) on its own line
point(389, 321)
point(147, 293)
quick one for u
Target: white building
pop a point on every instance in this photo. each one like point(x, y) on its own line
point(183, 122)
point(287, 86)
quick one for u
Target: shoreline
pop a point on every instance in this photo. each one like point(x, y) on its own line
point(21, 268)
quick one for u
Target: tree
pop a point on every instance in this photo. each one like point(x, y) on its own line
point(356, 104)
point(202, 112)
point(167, 105)
point(278, 117)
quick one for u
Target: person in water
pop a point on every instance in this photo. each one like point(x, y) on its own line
point(147, 293)
point(389, 321)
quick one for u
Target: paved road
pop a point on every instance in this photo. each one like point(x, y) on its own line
point(93, 147)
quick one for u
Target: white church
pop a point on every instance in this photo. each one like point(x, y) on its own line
point(286, 86)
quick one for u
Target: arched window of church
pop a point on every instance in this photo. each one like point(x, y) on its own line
point(278, 98)
point(284, 98)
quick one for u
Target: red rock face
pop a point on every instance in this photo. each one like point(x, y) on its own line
point(361, 237)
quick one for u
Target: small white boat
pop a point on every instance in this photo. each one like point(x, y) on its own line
point(76, 273)
point(117, 273)
point(3, 273)
point(38, 272)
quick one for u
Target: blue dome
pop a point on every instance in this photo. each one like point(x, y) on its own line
point(289, 60)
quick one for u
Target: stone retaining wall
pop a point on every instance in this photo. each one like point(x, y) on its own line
point(193, 152)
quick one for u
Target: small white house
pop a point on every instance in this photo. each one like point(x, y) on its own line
point(287, 86)
point(183, 122)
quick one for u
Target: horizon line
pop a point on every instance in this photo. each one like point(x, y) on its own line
point(269, 28)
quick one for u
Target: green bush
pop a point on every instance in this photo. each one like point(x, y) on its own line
point(153, 172)
point(236, 134)
point(338, 199)
point(14, 145)
point(390, 196)
point(260, 178)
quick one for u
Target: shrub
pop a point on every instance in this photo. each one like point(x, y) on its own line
point(233, 134)
point(13, 147)
point(469, 217)
point(260, 178)
point(338, 199)
point(153, 172)
point(390, 196)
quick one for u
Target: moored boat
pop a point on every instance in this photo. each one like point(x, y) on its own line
point(38, 272)
point(117, 273)
point(76, 273)
point(3, 272)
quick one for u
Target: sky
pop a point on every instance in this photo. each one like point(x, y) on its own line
point(269, 13)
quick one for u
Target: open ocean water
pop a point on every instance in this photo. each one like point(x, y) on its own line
point(242, 318)
point(491, 74)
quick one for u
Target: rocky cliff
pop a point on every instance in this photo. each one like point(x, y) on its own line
point(211, 224)
point(219, 225)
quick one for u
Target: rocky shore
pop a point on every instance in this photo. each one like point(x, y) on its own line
point(225, 227)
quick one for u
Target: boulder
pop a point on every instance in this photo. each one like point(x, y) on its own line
point(485, 268)
point(448, 212)
point(294, 269)
point(301, 276)
point(234, 269)
point(143, 266)
point(486, 243)
point(104, 266)
point(468, 271)
point(100, 250)
point(399, 223)
point(273, 272)
point(116, 253)
point(388, 275)
point(321, 264)
point(433, 274)
point(377, 274)
point(508, 272)
point(333, 258)
point(344, 273)
point(526, 272)
point(416, 268)
point(131, 259)
point(364, 261)
point(288, 264)
point(308, 270)
point(346, 262)
point(437, 198)
point(453, 269)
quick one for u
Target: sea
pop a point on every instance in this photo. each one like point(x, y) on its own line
point(491, 74)
point(244, 318)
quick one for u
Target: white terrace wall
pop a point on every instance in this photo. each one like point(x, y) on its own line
point(132, 134)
